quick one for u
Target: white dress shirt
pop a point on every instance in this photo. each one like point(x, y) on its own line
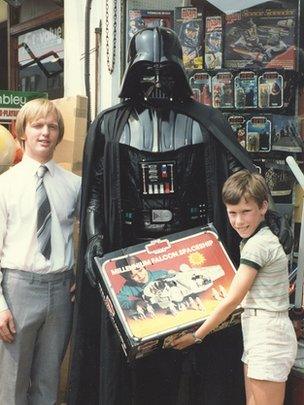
point(18, 218)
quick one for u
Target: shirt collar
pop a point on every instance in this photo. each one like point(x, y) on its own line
point(32, 165)
point(262, 224)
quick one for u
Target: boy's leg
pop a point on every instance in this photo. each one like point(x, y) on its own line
point(16, 357)
point(51, 345)
point(267, 392)
point(248, 390)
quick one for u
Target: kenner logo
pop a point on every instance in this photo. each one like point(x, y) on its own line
point(158, 246)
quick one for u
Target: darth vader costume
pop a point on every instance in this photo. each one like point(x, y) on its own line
point(153, 165)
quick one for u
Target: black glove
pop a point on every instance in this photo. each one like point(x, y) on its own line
point(95, 248)
point(280, 226)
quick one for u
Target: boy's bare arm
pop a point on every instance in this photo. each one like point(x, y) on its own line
point(239, 287)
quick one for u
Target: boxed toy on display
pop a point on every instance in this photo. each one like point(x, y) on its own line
point(213, 42)
point(261, 37)
point(156, 290)
point(188, 24)
point(139, 19)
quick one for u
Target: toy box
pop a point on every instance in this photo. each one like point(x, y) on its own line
point(164, 287)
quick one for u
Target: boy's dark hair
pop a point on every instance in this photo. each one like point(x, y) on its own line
point(127, 261)
point(245, 184)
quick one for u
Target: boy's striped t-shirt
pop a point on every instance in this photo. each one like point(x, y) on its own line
point(263, 252)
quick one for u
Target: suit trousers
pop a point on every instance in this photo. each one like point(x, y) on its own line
point(42, 311)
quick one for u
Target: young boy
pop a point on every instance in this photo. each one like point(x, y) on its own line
point(261, 284)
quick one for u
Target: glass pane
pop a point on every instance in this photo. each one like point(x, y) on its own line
point(40, 59)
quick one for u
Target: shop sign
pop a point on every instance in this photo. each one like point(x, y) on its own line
point(12, 101)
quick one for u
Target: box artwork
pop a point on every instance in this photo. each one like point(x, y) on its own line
point(213, 42)
point(164, 287)
point(278, 177)
point(285, 134)
point(261, 38)
point(139, 19)
point(188, 25)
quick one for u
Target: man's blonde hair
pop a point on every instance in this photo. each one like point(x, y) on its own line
point(245, 184)
point(35, 109)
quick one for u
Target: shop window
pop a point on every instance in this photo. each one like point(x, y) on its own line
point(40, 60)
point(37, 48)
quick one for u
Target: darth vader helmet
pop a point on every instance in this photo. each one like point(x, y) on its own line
point(155, 67)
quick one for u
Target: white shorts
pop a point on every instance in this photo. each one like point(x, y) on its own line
point(270, 344)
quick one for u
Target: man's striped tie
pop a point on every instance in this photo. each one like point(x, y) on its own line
point(44, 218)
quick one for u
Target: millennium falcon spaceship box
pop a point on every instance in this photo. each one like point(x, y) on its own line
point(157, 290)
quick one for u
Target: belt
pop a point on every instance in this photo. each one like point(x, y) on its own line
point(264, 312)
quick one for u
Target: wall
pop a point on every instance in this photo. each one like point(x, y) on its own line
point(74, 82)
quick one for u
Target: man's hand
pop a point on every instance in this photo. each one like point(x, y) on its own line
point(7, 326)
point(94, 249)
point(183, 342)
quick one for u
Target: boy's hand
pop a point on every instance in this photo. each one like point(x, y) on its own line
point(7, 326)
point(183, 342)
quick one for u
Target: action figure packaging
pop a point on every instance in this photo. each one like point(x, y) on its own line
point(213, 43)
point(157, 290)
point(222, 90)
point(139, 19)
point(246, 90)
point(265, 90)
point(188, 24)
point(238, 126)
point(200, 83)
point(258, 134)
point(261, 38)
point(285, 134)
point(282, 88)
point(271, 86)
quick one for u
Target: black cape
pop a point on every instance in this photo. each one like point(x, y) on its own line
point(99, 373)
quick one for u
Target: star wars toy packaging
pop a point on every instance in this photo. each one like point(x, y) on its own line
point(139, 19)
point(238, 126)
point(286, 136)
point(213, 42)
point(157, 290)
point(200, 83)
point(258, 134)
point(278, 178)
point(188, 24)
point(222, 90)
point(261, 37)
point(246, 90)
